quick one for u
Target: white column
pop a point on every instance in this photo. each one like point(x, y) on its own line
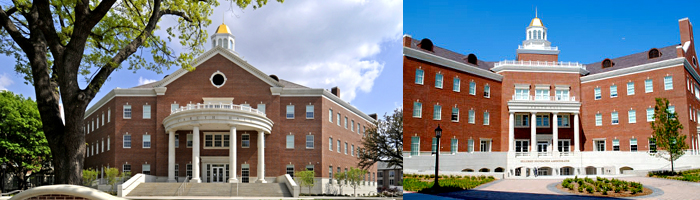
point(577, 149)
point(533, 134)
point(195, 155)
point(261, 157)
point(171, 156)
point(697, 141)
point(232, 155)
point(511, 132)
point(555, 135)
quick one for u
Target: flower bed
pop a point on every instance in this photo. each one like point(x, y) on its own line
point(451, 183)
point(690, 175)
point(603, 187)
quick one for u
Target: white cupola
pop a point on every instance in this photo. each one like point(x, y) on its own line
point(223, 38)
point(536, 39)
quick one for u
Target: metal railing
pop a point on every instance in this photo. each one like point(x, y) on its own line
point(539, 63)
point(217, 106)
point(540, 154)
point(522, 154)
point(545, 48)
point(542, 98)
point(183, 185)
point(566, 153)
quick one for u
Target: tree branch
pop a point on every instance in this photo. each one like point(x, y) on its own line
point(15, 33)
point(177, 13)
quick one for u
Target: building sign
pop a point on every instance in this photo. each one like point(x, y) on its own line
point(544, 161)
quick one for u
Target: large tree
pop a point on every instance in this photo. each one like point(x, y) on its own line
point(383, 142)
point(56, 43)
point(23, 146)
point(667, 131)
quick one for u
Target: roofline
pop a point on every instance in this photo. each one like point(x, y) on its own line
point(310, 92)
point(637, 69)
point(420, 55)
point(120, 92)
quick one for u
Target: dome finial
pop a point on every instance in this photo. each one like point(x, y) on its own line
point(535, 11)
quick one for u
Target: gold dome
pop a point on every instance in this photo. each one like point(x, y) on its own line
point(223, 29)
point(536, 22)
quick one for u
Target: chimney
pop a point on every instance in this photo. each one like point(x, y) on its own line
point(373, 116)
point(407, 40)
point(336, 91)
point(686, 29)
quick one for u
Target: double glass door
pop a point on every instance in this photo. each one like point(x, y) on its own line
point(217, 174)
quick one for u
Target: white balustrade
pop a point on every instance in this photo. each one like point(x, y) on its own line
point(545, 48)
point(522, 154)
point(540, 63)
point(541, 154)
point(217, 106)
point(566, 154)
point(542, 98)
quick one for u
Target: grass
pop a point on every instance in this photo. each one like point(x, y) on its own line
point(451, 183)
point(689, 175)
point(603, 187)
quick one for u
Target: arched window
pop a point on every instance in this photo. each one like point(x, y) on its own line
point(695, 61)
point(213, 42)
point(225, 44)
point(426, 44)
point(230, 42)
point(471, 58)
point(607, 63)
point(544, 35)
point(539, 35)
point(654, 53)
point(529, 35)
point(220, 43)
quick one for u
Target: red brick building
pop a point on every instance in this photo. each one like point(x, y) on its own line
point(184, 125)
point(536, 112)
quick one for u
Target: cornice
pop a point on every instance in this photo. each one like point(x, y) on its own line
point(639, 69)
point(413, 53)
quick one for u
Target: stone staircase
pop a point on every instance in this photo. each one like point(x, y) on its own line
point(213, 189)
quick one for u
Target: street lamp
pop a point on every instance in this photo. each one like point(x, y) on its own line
point(438, 134)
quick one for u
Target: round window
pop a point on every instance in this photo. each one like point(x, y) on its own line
point(218, 79)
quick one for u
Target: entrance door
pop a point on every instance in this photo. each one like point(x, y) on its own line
point(542, 147)
point(217, 175)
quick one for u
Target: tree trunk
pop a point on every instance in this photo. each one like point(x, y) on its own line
point(672, 163)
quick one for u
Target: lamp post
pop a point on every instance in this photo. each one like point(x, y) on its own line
point(438, 134)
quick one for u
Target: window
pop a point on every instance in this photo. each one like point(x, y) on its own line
point(330, 115)
point(309, 111)
point(668, 83)
point(338, 144)
point(177, 170)
point(346, 122)
point(127, 111)
point(188, 170)
point(245, 140)
point(261, 108)
point(391, 177)
point(330, 143)
point(522, 120)
point(542, 120)
point(417, 106)
point(470, 145)
point(352, 150)
point(650, 114)
point(126, 168)
point(109, 115)
point(616, 145)
point(486, 117)
point(455, 115)
point(290, 170)
point(607, 63)
point(599, 145)
point(562, 95)
point(437, 111)
point(146, 111)
point(415, 145)
point(146, 169)
point(103, 119)
point(564, 145)
point(613, 91)
point(189, 140)
point(290, 141)
point(108, 144)
point(654, 53)
point(434, 147)
point(671, 109)
point(290, 111)
point(522, 94)
point(633, 144)
point(174, 107)
point(471, 117)
point(338, 119)
point(216, 140)
point(309, 141)
point(472, 87)
point(485, 146)
point(487, 91)
point(632, 116)
point(541, 94)
point(648, 86)
point(346, 148)
point(352, 125)
point(652, 145)
point(419, 76)
point(438, 80)
point(598, 119)
point(613, 117)
point(127, 141)
point(453, 146)
point(455, 84)
point(630, 88)
point(177, 140)
point(597, 93)
point(146, 141)
point(330, 174)
point(563, 121)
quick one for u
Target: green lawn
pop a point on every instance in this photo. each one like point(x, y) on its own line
point(423, 183)
point(690, 175)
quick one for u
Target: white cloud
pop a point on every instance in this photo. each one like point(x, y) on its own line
point(319, 44)
point(5, 81)
point(143, 81)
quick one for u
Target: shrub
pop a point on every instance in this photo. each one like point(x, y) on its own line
point(618, 189)
point(580, 188)
point(605, 192)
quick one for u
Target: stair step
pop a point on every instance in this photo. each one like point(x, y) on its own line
point(213, 189)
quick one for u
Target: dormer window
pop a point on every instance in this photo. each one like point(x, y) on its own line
point(654, 53)
point(426, 44)
point(471, 58)
point(607, 63)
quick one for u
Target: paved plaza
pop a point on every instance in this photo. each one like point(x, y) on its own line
point(523, 189)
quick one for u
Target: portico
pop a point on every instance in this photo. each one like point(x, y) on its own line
point(217, 116)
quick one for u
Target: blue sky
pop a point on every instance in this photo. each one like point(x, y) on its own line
point(353, 44)
point(584, 31)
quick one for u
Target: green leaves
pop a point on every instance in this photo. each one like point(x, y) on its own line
point(667, 131)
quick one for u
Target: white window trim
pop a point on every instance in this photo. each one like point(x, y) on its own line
point(124, 143)
point(457, 115)
point(422, 79)
point(567, 140)
point(548, 118)
point(628, 88)
point(456, 81)
point(596, 119)
point(286, 140)
point(487, 118)
point(420, 110)
point(629, 117)
point(313, 114)
point(146, 112)
point(470, 88)
point(668, 88)
point(249, 144)
point(204, 140)
point(595, 148)
point(313, 142)
point(442, 80)
point(516, 122)
point(560, 116)
point(438, 108)
point(611, 118)
point(596, 96)
point(490, 142)
point(471, 118)
point(651, 83)
point(131, 112)
point(143, 141)
point(286, 112)
point(611, 91)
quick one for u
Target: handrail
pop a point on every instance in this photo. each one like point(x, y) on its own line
point(217, 106)
point(11, 192)
point(131, 181)
point(181, 188)
point(540, 63)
